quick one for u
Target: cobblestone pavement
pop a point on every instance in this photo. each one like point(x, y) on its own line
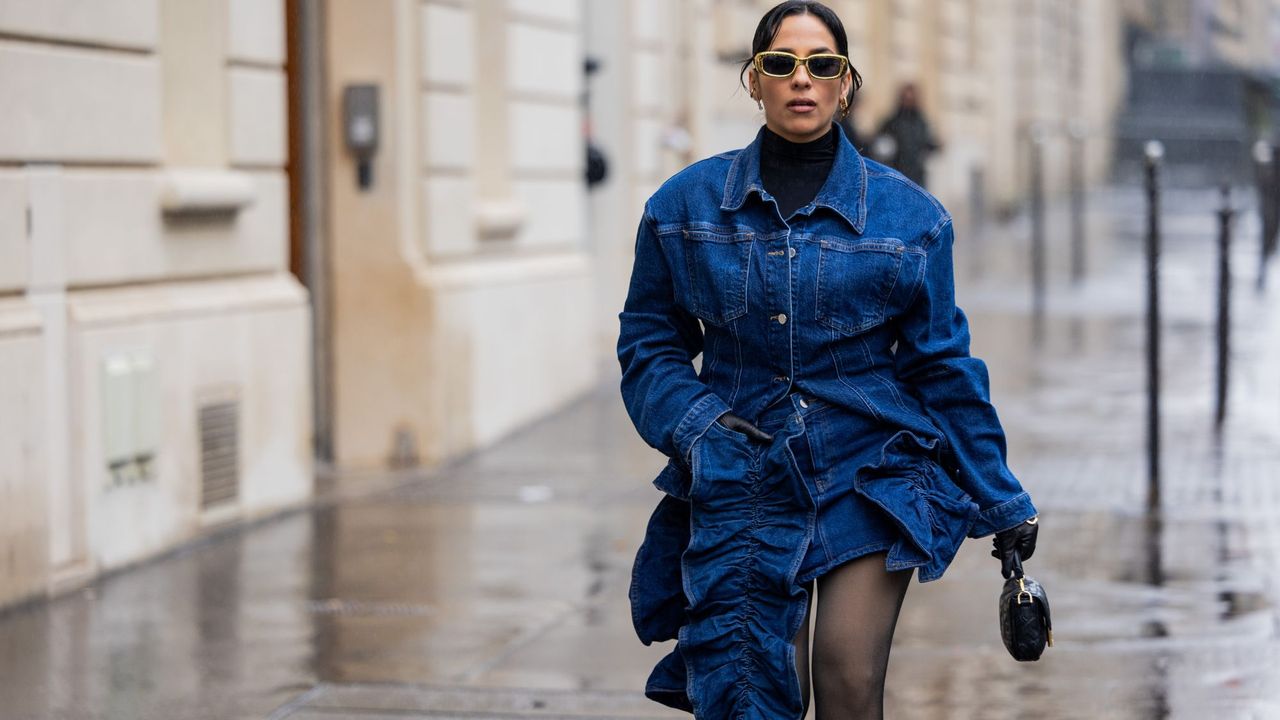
point(495, 587)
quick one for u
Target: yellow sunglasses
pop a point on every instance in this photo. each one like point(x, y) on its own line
point(822, 66)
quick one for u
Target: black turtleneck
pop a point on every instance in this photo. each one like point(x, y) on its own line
point(793, 173)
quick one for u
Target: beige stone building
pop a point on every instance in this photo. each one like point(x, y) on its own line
point(462, 282)
point(154, 352)
point(199, 296)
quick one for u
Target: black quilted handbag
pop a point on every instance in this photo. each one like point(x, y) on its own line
point(1025, 625)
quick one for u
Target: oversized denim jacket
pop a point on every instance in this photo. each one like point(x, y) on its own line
point(849, 304)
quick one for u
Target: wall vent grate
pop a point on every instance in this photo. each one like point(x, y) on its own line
point(219, 454)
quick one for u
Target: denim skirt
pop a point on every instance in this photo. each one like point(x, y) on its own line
point(740, 532)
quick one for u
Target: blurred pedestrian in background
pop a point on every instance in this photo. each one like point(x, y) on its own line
point(912, 139)
point(838, 432)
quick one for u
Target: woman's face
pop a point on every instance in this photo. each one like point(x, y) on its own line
point(800, 108)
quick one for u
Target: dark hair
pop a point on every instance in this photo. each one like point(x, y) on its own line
point(771, 23)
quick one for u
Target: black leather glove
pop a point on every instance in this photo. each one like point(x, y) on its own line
point(737, 424)
point(1014, 545)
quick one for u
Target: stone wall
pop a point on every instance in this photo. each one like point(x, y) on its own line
point(143, 275)
point(462, 285)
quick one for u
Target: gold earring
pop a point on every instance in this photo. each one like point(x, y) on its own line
point(844, 107)
point(755, 95)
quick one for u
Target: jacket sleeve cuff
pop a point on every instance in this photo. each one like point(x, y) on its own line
point(695, 423)
point(1003, 516)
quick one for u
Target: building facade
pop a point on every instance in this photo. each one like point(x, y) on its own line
point(461, 295)
point(154, 352)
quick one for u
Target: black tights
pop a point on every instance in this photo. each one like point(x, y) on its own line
point(858, 605)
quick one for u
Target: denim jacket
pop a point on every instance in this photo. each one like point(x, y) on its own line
point(851, 300)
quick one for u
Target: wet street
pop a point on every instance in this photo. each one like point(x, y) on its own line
point(495, 587)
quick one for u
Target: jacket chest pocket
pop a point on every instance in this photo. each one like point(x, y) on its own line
point(716, 266)
point(856, 282)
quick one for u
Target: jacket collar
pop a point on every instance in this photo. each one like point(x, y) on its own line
point(845, 190)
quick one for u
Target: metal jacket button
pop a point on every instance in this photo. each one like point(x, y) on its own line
point(781, 318)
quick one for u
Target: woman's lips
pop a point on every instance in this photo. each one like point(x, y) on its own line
point(802, 106)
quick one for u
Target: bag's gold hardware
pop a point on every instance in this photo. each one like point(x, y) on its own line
point(1023, 591)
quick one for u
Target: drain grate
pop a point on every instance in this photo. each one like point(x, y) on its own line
point(219, 454)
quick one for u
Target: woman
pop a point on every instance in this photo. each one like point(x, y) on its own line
point(838, 432)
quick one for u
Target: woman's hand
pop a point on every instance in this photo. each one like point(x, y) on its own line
point(737, 424)
point(1014, 545)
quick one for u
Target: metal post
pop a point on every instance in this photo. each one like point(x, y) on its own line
point(1225, 214)
point(977, 211)
point(977, 196)
point(1267, 158)
point(1269, 241)
point(1077, 205)
point(1037, 233)
point(1154, 155)
point(1264, 176)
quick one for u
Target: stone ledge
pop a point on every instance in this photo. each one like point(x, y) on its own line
point(18, 317)
point(174, 300)
point(482, 271)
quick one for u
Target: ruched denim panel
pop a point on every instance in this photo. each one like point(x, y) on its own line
point(657, 591)
point(750, 524)
point(933, 515)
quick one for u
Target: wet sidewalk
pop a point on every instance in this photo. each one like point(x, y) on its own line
point(496, 587)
